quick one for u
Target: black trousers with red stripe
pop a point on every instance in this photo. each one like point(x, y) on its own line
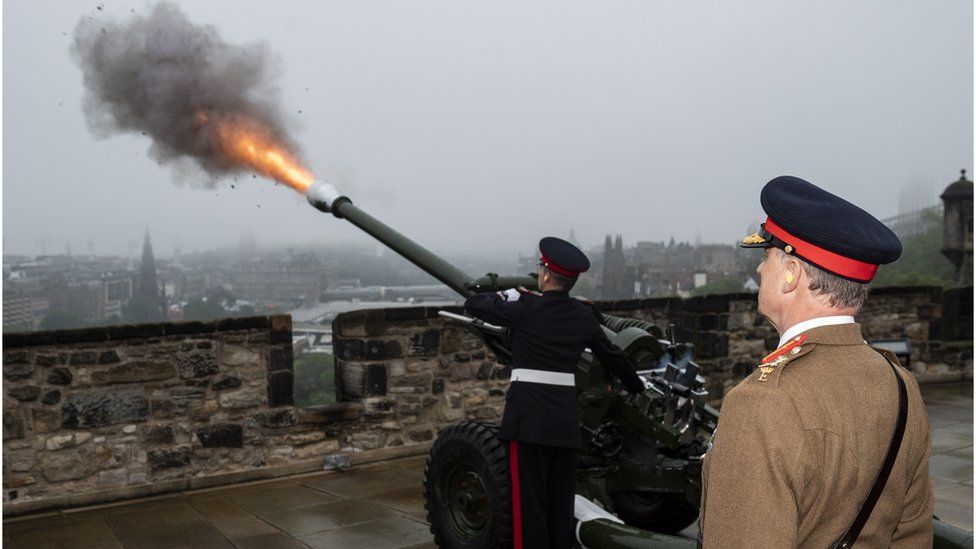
point(543, 489)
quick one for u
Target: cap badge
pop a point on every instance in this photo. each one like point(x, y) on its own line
point(754, 238)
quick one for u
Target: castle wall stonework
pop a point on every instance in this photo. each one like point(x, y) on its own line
point(415, 372)
point(730, 338)
point(99, 409)
point(99, 414)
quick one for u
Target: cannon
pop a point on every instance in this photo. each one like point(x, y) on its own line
point(639, 475)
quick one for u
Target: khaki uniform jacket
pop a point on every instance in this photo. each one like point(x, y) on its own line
point(795, 455)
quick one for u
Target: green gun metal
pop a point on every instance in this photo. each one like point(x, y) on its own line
point(325, 198)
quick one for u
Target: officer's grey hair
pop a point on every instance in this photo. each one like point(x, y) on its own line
point(564, 283)
point(839, 292)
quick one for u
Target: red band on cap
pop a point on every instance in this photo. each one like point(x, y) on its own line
point(549, 264)
point(833, 262)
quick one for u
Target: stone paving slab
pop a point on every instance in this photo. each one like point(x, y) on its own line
point(950, 409)
point(380, 506)
point(416, 463)
point(359, 483)
point(951, 467)
point(62, 533)
point(309, 520)
point(387, 533)
point(162, 526)
point(275, 540)
point(408, 500)
point(952, 437)
point(269, 498)
point(232, 521)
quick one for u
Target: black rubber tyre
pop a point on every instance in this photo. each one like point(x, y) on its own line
point(466, 488)
point(654, 512)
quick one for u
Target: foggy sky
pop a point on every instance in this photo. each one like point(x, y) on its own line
point(488, 125)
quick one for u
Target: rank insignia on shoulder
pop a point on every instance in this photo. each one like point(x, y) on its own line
point(767, 368)
point(787, 347)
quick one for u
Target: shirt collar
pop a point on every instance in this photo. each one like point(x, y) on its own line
point(808, 325)
point(554, 293)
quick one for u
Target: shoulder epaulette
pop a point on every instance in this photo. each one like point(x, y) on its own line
point(769, 369)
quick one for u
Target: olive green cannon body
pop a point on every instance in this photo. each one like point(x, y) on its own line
point(641, 455)
point(327, 199)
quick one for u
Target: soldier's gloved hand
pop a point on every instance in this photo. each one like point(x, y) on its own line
point(510, 294)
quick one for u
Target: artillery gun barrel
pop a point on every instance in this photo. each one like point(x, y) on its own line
point(326, 198)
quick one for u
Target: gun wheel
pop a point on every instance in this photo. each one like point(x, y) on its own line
point(655, 512)
point(466, 488)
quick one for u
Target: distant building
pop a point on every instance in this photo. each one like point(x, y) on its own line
point(92, 297)
point(92, 289)
point(298, 278)
point(24, 301)
point(667, 269)
point(116, 290)
point(618, 280)
point(180, 283)
point(17, 310)
point(958, 228)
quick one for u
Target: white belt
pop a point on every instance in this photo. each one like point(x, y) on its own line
point(544, 376)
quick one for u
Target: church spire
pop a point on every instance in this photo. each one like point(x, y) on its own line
point(148, 286)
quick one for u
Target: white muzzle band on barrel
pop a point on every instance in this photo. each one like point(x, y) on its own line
point(544, 376)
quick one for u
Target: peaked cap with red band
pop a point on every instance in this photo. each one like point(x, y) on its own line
point(823, 230)
point(562, 258)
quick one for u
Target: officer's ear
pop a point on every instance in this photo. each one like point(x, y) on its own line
point(792, 273)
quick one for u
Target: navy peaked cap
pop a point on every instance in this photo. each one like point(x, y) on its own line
point(562, 258)
point(823, 229)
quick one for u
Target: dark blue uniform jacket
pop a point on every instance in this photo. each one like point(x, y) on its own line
point(549, 332)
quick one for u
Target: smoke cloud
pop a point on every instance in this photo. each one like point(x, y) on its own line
point(165, 77)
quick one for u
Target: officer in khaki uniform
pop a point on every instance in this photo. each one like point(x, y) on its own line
point(800, 442)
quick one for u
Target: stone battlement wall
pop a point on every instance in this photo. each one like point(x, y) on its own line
point(110, 413)
point(102, 410)
point(415, 372)
point(731, 338)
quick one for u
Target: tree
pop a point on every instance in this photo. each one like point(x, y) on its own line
point(140, 309)
point(222, 297)
point(921, 262)
point(203, 309)
point(314, 379)
point(60, 320)
point(215, 304)
point(729, 285)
